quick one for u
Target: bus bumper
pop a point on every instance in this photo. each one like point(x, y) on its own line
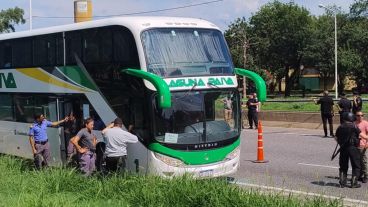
point(221, 168)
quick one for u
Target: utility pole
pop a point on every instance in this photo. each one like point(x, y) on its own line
point(334, 12)
point(30, 14)
point(244, 65)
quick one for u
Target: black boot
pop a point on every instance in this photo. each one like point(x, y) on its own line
point(354, 182)
point(364, 179)
point(342, 179)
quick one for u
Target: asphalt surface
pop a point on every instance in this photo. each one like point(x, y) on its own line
point(299, 161)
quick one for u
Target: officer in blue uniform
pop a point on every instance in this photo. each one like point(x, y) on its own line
point(39, 140)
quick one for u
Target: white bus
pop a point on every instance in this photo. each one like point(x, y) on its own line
point(166, 77)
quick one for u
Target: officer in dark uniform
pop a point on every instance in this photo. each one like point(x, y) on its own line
point(326, 112)
point(252, 104)
point(344, 105)
point(348, 138)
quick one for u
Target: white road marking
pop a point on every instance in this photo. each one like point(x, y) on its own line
point(314, 165)
point(292, 133)
point(287, 191)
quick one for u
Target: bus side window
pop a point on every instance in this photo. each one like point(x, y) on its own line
point(7, 55)
point(125, 49)
point(22, 52)
point(1, 54)
point(59, 49)
point(6, 107)
point(73, 41)
point(44, 53)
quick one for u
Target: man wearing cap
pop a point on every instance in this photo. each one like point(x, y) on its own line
point(116, 140)
point(39, 140)
point(357, 103)
point(344, 106)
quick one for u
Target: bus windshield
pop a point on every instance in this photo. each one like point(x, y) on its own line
point(175, 52)
point(197, 117)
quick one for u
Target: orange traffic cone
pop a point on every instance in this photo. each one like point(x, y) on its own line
point(260, 157)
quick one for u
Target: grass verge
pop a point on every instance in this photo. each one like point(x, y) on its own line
point(20, 185)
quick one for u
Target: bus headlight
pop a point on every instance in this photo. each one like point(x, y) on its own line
point(233, 154)
point(169, 160)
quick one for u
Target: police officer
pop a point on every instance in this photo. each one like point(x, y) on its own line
point(348, 138)
point(39, 141)
point(326, 112)
point(252, 105)
point(344, 106)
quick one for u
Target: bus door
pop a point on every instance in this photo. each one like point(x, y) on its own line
point(70, 106)
point(78, 108)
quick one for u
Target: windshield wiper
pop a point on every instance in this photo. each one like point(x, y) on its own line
point(211, 84)
point(190, 90)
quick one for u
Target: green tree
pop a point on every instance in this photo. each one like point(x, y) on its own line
point(283, 33)
point(240, 40)
point(9, 18)
point(359, 8)
point(356, 35)
point(320, 52)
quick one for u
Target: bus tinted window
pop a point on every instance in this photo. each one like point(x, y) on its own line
point(125, 49)
point(26, 105)
point(6, 107)
point(22, 52)
point(24, 108)
point(73, 41)
point(44, 52)
point(6, 55)
point(1, 54)
point(105, 45)
point(91, 47)
point(59, 49)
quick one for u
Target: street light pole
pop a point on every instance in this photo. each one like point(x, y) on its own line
point(30, 14)
point(336, 83)
point(244, 65)
point(336, 75)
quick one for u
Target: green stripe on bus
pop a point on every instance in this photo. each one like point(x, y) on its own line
point(258, 80)
point(77, 75)
point(196, 157)
point(161, 86)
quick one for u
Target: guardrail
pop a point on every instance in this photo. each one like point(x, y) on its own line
point(303, 100)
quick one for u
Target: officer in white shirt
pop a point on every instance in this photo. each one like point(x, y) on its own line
point(116, 140)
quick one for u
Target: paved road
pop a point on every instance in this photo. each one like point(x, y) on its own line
point(299, 160)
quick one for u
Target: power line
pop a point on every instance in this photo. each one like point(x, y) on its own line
point(135, 13)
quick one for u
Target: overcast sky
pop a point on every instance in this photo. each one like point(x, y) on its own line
point(221, 13)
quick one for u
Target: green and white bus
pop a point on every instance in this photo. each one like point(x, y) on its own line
point(166, 77)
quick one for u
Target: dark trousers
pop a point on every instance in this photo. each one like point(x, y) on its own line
point(352, 153)
point(253, 117)
point(115, 164)
point(42, 156)
point(327, 117)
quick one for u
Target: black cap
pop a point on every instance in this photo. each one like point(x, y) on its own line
point(118, 121)
point(342, 94)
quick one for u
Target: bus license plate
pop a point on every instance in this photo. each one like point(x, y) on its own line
point(206, 173)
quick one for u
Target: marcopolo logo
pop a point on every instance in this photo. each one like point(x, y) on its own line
point(7, 80)
point(189, 82)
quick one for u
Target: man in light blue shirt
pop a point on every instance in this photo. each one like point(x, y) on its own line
point(39, 141)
